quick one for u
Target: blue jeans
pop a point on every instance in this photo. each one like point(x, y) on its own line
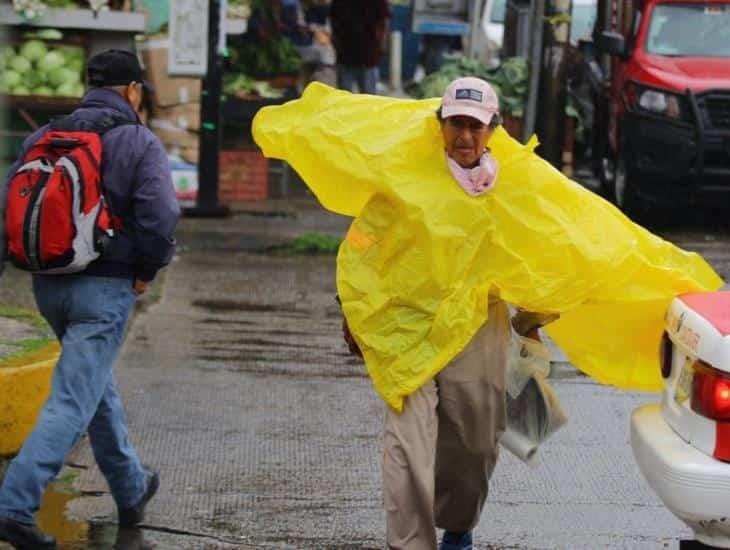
point(366, 78)
point(89, 316)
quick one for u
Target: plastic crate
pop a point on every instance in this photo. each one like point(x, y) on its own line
point(243, 176)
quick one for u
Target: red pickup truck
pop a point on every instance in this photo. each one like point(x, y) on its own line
point(662, 126)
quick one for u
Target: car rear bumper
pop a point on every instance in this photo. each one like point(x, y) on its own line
point(693, 486)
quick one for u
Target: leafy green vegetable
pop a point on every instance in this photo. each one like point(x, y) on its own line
point(33, 50)
point(20, 64)
point(509, 80)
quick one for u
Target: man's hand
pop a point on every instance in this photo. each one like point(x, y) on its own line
point(139, 287)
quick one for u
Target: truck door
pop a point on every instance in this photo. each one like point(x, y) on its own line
point(625, 20)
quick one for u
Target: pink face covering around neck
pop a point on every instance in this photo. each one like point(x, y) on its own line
point(478, 180)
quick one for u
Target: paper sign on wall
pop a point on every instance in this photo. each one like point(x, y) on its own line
point(188, 51)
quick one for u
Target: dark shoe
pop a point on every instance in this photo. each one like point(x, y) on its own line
point(129, 517)
point(456, 541)
point(24, 536)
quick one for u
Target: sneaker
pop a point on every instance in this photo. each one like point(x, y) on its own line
point(24, 536)
point(456, 541)
point(129, 517)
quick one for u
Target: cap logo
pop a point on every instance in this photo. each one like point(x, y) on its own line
point(470, 94)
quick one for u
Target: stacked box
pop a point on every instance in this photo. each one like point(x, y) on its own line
point(175, 117)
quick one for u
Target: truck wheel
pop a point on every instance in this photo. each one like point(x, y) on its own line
point(606, 171)
point(624, 190)
point(604, 166)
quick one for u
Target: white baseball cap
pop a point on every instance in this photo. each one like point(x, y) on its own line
point(470, 96)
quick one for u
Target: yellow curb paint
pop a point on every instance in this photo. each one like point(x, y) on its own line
point(24, 386)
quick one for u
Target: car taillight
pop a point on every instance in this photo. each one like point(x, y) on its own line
point(665, 356)
point(710, 392)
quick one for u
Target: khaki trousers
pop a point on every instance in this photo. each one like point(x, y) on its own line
point(439, 453)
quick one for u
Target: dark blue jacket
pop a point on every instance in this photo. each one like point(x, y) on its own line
point(137, 184)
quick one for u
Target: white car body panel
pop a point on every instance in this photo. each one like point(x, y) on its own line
point(693, 486)
point(674, 445)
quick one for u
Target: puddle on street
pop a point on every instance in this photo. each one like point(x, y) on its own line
point(79, 535)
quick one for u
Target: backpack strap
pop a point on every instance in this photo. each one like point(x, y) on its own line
point(69, 123)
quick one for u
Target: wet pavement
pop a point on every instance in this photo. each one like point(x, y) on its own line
point(266, 433)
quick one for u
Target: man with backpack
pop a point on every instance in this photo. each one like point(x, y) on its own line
point(90, 210)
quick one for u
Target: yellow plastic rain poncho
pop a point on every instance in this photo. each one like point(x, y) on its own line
point(422, 257)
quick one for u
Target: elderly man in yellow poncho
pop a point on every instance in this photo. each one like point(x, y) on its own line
point(447, 231)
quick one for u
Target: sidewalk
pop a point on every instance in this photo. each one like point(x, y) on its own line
point(240, 391)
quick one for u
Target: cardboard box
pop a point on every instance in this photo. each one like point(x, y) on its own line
point(190, 154)
point(185, 180)
point(173, 136)
point(243, 176)
point(185, 117)
point(168, 90)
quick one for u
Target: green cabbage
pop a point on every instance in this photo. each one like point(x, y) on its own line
point(67, 89)
point(59, 76)
point(7, 53)
point(33, 50)
point(43, 91)
point(20, 64)
point(11, 79)
point(34, 79)
point(52, 60)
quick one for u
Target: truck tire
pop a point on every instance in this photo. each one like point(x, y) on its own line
point(624, 190)
point(604, 166)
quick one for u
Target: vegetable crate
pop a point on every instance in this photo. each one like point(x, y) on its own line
point(243, 176)
point(45, 63)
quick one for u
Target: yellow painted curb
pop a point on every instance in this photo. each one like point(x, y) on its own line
point(24, 386)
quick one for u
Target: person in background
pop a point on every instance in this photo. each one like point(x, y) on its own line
point(359, 33)
point(322, 65)
point(88, 311)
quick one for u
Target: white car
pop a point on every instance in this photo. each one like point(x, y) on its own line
point(682, 445)
point(493, 22)
point(583, 17)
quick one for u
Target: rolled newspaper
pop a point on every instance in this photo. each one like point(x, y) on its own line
point(520, 445)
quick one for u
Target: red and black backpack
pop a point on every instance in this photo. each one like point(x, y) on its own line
point(57, 219)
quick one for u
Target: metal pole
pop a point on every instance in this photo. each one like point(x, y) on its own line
point(210, 127)
point(537, 15)
point(550, 121)
point(396, 60)
point(477, 8)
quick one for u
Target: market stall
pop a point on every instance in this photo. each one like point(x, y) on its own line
point(44, 55)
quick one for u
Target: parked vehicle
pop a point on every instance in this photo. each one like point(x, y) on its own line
point(442, 24)
point(582, 20)
point(663, 108)
point(682, 445)
point(493, 24)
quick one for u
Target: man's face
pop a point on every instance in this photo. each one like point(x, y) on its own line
point(465, 139)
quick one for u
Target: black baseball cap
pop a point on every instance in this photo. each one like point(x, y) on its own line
point(115, 68)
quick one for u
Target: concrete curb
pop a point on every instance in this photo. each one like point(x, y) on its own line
point(25, 383)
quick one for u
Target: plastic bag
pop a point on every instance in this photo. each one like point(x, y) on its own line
point(534, 411)
point(527, 358)
point(422, 258)
point(532, 417)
